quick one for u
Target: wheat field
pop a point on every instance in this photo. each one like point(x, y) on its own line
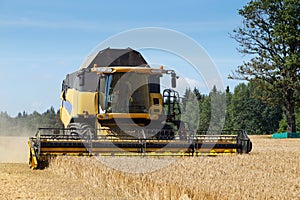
point(270, 171)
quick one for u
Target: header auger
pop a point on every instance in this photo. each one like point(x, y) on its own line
point(113, 106)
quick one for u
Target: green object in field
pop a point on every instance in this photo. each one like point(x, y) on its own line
point(286, 135)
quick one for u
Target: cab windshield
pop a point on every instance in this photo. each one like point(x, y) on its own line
point(127, 93)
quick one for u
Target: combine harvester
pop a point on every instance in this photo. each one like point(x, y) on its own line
point(113, 106)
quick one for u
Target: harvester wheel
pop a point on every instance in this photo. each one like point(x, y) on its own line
point(246, 147)
point(82, 130)
point(30, 159)
point(167, 133)
point(249, 147)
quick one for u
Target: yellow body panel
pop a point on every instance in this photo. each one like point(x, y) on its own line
point(156, 107)
point(33, 162)
point(64, 116)
point(87, 103)
point(81, 103)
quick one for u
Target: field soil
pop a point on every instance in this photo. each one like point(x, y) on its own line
point(13, 149)
point(270, 171)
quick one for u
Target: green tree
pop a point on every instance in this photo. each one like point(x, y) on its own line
point(283, 123)
point(217, 109)
point(205, 113)
point(271, 35)
point(26, 124)
point(252, 114)
point(228, 120)
point(212, 110)
point(186, 97)
point(190, 111)
point(241, 109)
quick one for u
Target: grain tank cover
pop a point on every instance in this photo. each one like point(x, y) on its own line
point(115, 57)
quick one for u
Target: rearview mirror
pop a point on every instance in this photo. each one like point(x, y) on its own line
point(173, 80)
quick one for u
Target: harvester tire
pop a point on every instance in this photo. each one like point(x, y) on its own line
point(82, 130)
point(167, 133)
point(249, 147)
point(246, 147)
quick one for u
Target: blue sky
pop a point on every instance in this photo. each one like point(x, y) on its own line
point(43, 40)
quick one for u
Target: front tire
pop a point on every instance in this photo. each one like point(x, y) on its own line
point(82, 130)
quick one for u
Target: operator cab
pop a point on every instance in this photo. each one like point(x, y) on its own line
point(122, 92)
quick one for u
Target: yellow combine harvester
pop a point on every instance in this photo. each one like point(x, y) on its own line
point(113, 106)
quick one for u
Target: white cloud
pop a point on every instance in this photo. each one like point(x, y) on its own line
point(184, 83)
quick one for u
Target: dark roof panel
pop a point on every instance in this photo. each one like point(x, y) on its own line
point(115, 57)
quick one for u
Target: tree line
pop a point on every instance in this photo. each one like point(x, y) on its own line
point(243, 109)
point(27, 124)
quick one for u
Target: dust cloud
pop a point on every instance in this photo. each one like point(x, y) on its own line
point(13, 149)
